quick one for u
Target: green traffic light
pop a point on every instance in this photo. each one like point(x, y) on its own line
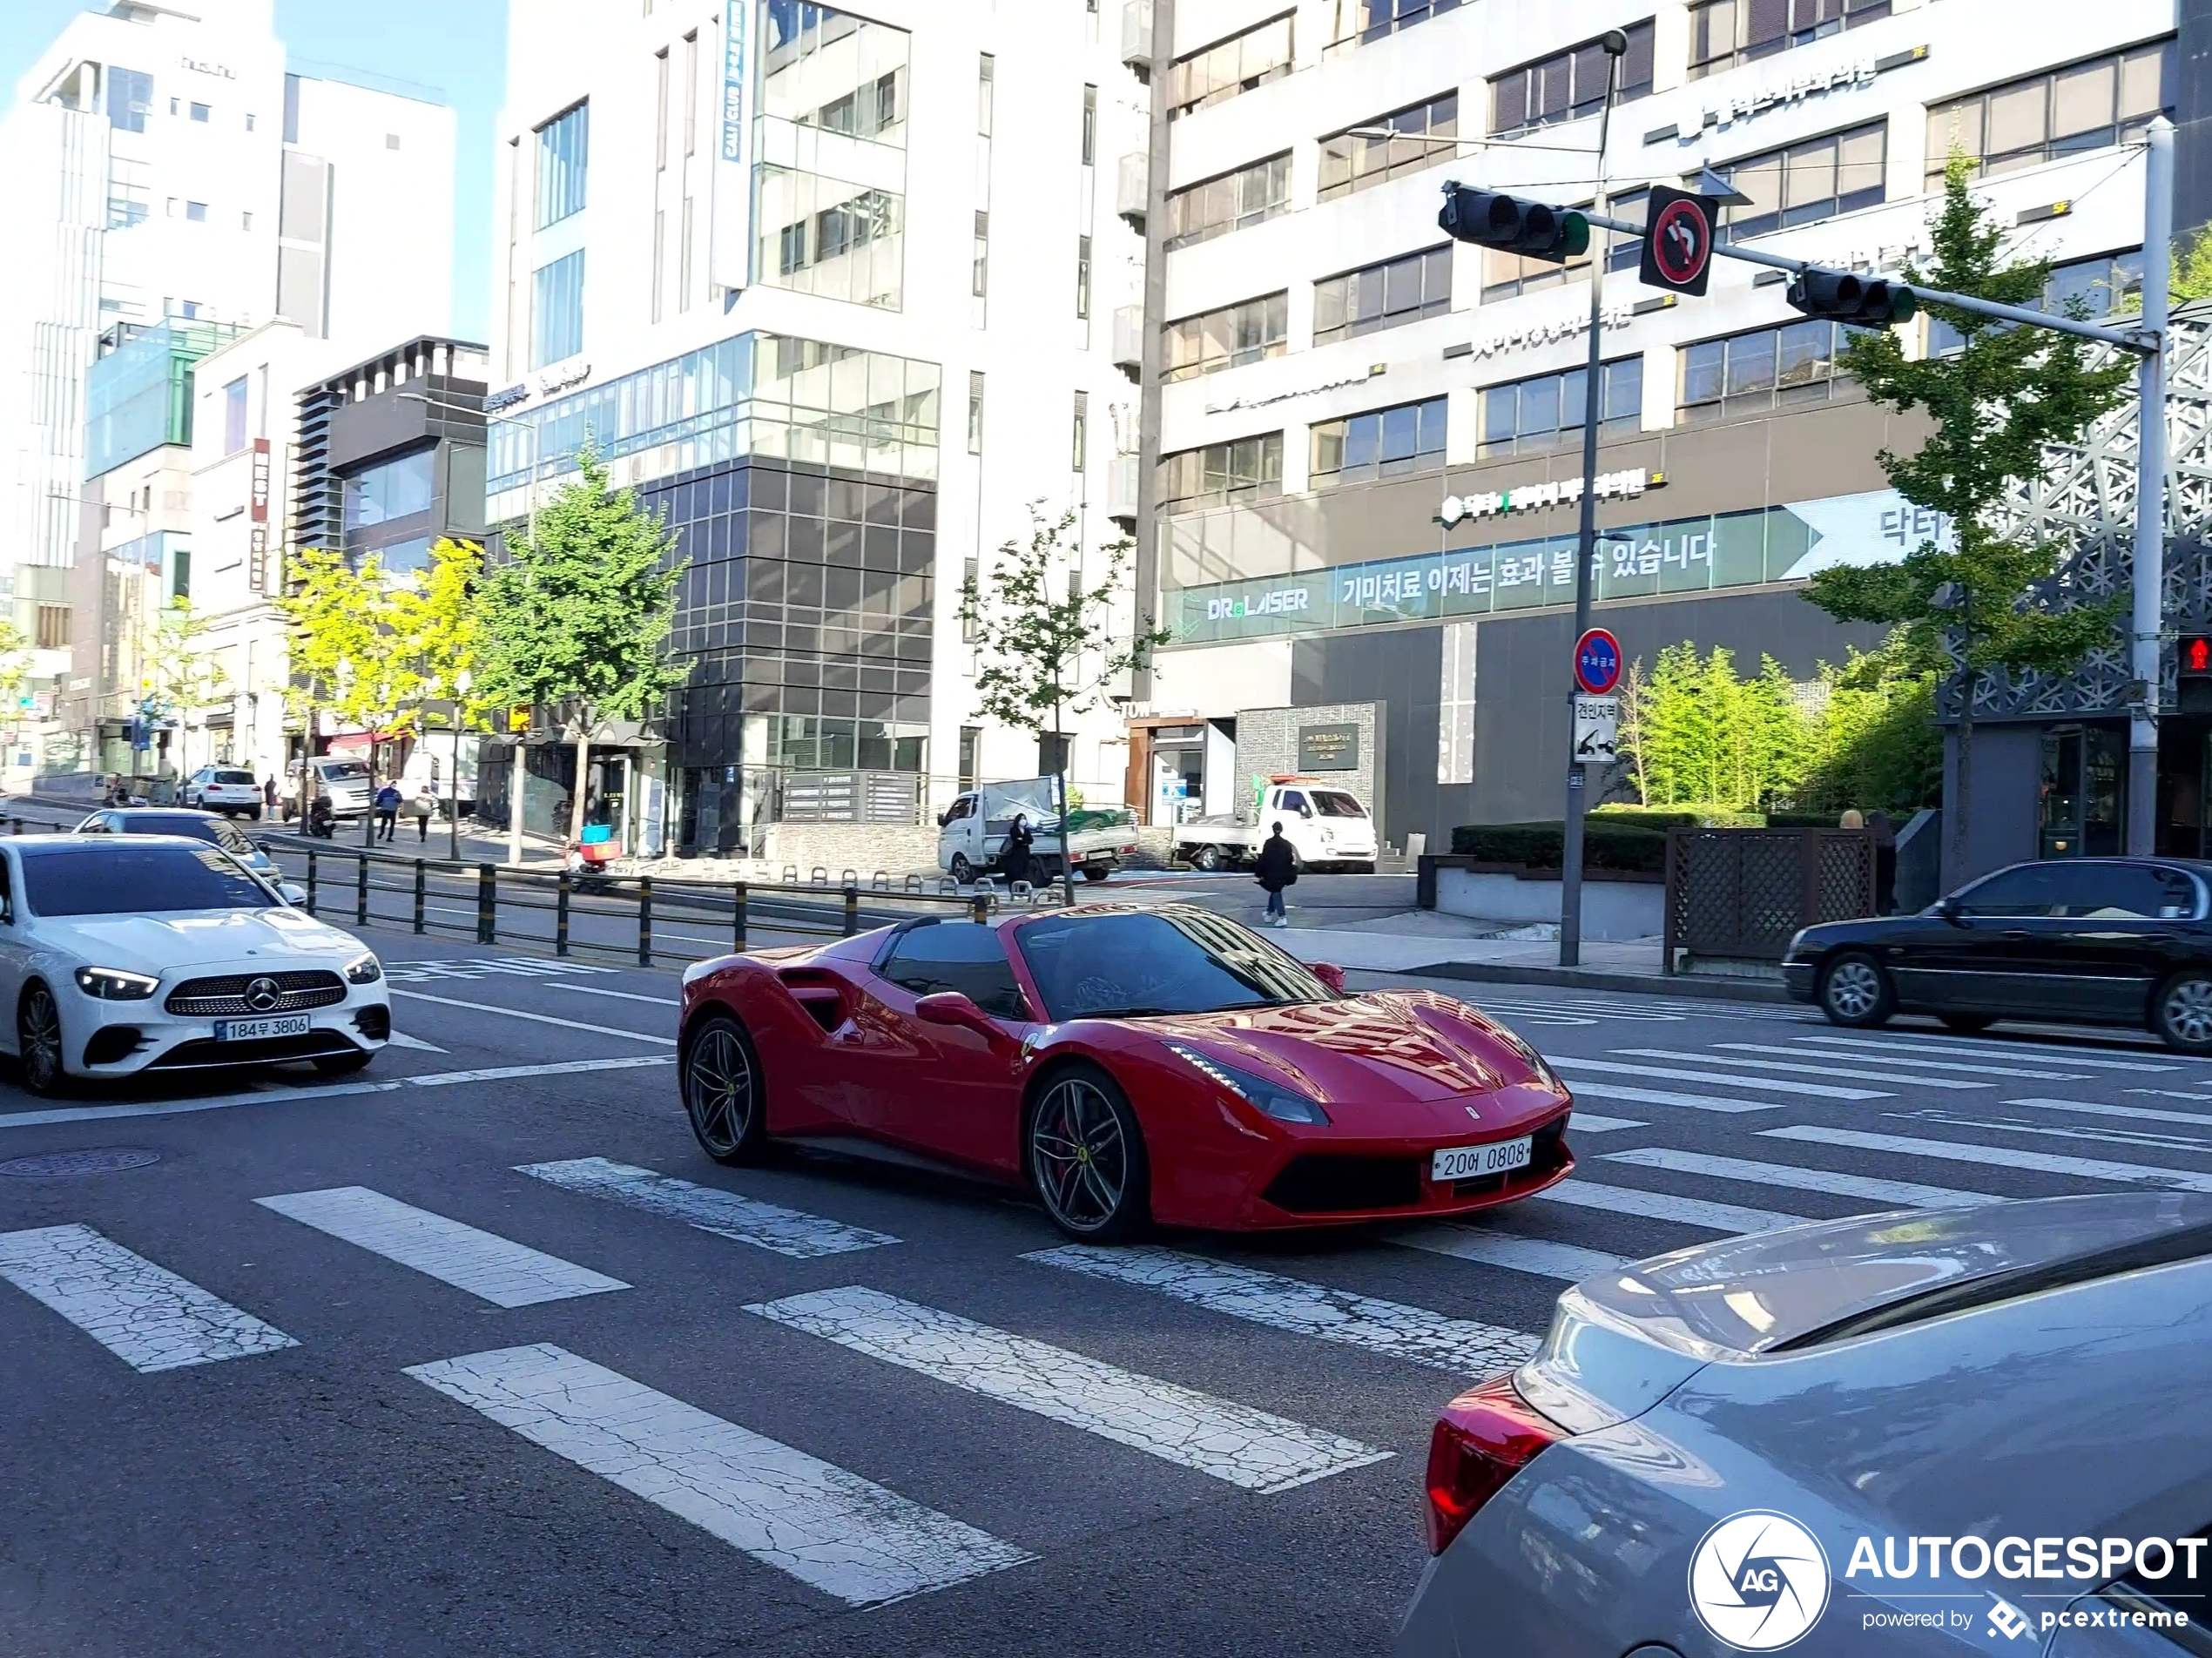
point(1904, 305)
point(1574, 235)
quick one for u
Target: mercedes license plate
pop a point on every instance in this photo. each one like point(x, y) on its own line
point(252, 1030)
point(1471, 1163)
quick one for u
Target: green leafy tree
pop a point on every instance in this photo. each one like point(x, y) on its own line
point(184, 674)
point(1876, 741)
point(578, 614)
point(1995, 404)
point(338, 615)
point(2192, 278)
point(437, 619)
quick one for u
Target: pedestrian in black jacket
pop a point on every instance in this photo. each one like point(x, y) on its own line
point(1277, 867)
point(1015, 856)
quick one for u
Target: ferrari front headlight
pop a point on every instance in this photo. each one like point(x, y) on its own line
point(1283, 1103)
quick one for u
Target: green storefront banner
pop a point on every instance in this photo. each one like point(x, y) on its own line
point(1680, 555)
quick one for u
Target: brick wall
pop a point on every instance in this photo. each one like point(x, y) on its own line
point(1267, 745)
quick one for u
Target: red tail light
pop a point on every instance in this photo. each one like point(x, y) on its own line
point(1484, 1437)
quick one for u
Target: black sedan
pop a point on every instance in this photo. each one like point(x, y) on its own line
point(2089, 940)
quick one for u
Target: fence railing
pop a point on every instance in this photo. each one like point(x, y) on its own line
point(1741, 894)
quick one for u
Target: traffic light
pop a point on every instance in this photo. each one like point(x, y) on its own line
point(2195, 656)
point(1842, 297)
point(1533, 229)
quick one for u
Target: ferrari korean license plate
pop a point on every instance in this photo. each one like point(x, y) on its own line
point(252, 1030)
point(1471, 1163)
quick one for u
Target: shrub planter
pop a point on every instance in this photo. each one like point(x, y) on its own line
point(1617, 904)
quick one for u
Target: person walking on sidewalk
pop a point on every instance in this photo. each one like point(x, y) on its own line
point(424, 805)
point(388, 811)
point(1277, 867)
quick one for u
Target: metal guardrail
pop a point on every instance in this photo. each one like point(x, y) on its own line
point(639, 918)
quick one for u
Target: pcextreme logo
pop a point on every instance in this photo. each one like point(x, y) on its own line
point(1758, 1581)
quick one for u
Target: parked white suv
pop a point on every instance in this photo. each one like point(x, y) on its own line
point(224, 789)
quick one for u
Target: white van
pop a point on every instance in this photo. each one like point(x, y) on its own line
point(346, 780)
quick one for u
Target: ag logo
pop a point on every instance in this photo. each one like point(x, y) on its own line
point(1758, 1581)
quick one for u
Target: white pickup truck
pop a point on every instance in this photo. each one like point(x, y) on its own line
point(1324, 824)
point(971, 835)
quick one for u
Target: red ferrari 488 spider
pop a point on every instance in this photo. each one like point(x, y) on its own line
point(1129, 1065)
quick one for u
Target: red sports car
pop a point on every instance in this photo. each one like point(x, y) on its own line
point(1130, 1065)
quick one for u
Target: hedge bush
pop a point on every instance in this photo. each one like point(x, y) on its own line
point(1606, 845)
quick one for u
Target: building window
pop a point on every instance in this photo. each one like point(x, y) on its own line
point(246, 221)
point(1229, 338)
point(558, 315)
point(1725, 32)
point(1806, 182)
point(564, 155)
point(1248, 466)
point(1383, 296)
point(234, 411)
point(971, 747)
point(195, 212)
point(1567, 85)
point(1751, 374)
point(1237, 64)
point(975, 411)
point(1082, 277)
point(388, 510)
point(1090, 126)
point(986, 75)
point(1361, 21)
point(2087, 106)
point(2089, 288)
point(53, 627)
point(660, 257)
point(1082, 433)
point(1250, 195)
point(1349, 163)
point(979, 276)
point(692, 94)
point(970, 590)
point(130, 99)
point(660, 109)
point(1526, 416)
point(1382, 443)
point(684, 262)
point(1625, 249)
point(201, 113)
point(848, 248)
point(249, 123)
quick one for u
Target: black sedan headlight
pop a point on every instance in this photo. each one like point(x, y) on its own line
point(364, 968)
point(1283, 1104)
point(115, 984)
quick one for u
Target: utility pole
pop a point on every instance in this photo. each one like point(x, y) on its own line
point(2147, 666)
point(1570, 868)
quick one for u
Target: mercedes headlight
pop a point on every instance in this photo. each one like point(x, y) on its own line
point(364, 968)
point(1283, 1104)
point(115, 984)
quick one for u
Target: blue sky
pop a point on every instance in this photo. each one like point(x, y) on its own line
point(456, 47)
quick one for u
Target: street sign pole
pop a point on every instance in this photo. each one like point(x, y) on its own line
point(2149, 618)
point(1570, 868)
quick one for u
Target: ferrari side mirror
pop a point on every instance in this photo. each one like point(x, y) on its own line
point(1329, 973)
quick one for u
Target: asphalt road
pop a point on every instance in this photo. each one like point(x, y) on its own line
point(635, 1458)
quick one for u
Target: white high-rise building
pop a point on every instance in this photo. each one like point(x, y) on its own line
point(836, 288)
point(159, 169)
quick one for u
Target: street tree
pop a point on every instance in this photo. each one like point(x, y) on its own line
point(577, 615)
point(343, 657)
point(437, 616)
point(1991, 602)
point(184, 673)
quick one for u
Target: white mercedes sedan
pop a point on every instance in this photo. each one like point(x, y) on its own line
point(123, 955)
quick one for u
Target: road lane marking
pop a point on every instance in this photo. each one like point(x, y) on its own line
point(2134, 1138)
point(325, 1091)
point(1985, 1050)
point(1918, 1063)
point(400, 1039)
point(619, 995)
point(522, 967)
point(1415, 1333)
point(490, 1267)
point(1540, 1255)
point(1246, 1448)
point(1828, 1070)
point(1889, 1194)
point(1665, 1206)
point(830, 1529)
point(1997, 1157)
point(145, 1315)
point(538, 1019)
point(1779, 1084)
point(768, 1226)
point(1590, 1122)
point(2127, 1113)
point(1610, 1091)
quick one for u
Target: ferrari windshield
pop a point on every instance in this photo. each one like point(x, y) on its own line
point(1173, 960)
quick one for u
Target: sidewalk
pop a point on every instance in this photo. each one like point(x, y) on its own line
point(478, 846)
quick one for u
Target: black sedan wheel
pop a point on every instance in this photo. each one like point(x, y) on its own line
point(38, 1041)
point(1856, 992)
point(1087, 1158)
point(2182, 1014)
point(721, 1083)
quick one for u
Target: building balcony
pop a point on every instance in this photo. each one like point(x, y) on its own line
point(1129, 340)
point(1133, 189)
point(1121, 492)
point(1137, 38)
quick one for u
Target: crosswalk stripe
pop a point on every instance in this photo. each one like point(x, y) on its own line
point(1611, 1091)
point(2134, 1139)
point(1904, 1193)
point(1665, 1206)
point(494, 1269)
point(1305, 1309)
point(145, 1315)
point(747, 1220)
point(1591, 1122)
point(1246, 1448)
point(1542, 1256)
point(1828, 1070)
point(1918, 1063)
point(1780, 1085)
point(1998, 1157)
point(1988, 1051)
point(832, 1529)
point(2126, 1113)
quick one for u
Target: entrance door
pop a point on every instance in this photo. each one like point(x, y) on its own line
point(2083, 766)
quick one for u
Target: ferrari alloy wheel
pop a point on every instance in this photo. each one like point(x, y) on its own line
point(1087, 1156)
point(1855, 991)
point(2182, 1014)
point(721, 1083)
point(38, 1041)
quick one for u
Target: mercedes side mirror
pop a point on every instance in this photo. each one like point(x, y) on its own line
point(1948, 909)
point(1329, 973)
point(293, 893)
